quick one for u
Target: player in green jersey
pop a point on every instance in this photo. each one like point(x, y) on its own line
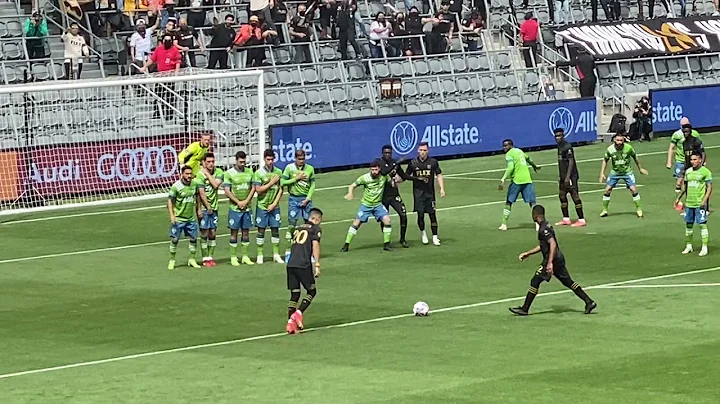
point(208, 180)
point(521, 181)
point(698, 187)
point(267, 214)
point(299, 178)
point(240, 190)
point(373, 184)
point(676, 149)
point(182, 207)
point(622, 155)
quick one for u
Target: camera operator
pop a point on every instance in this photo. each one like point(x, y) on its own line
point(36, 32)
point(643, 119)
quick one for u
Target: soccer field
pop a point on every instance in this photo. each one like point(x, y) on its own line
point(90, 315)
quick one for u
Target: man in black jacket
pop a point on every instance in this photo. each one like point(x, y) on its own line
point(346, 31)
point(584, 64)
point(221, 43)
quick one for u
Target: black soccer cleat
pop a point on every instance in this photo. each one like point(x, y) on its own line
point(387, 247)
point(345, 248)
point(590, 306)
point(404, 244)
point(518, 311)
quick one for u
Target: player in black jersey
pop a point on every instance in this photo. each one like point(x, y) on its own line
point(391, 194)
point(422, 171)
point(300, 271)
point(691, 145)
point(569, 177)
point(553, 264)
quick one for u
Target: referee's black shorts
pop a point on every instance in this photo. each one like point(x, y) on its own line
point(396, 203)
point(297, 277)
point(570, 188)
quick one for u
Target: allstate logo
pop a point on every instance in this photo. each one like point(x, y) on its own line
point(403, 137)
point(561, 118)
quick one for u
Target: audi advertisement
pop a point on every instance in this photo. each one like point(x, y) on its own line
point(108, 166)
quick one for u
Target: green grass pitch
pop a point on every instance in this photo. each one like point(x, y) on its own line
point(90, 315)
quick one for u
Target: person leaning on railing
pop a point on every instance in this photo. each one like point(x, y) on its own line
point(300, 32)
point(75, 50)
point(36, 32)
point(529, 31)
point(186, 40)
point(141, 43)
point(471, 28)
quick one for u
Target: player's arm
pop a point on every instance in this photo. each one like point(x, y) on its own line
point(702, 152)
point(260, 188)
point(637, 163)
point(571, 166)
point(286, 179)
point(530, 161)
point(202, 199)
point(276, 201)
point(683, 191)
point(316, 255)
point(508, 171)
point(171, 208)
point(708, 190)
point(214, 181)
point(229, 193)
point(186, 154)
point(603, 166)
point(529, 253)
point(670, 154)
point(311, 180)
point(351, 188)
point(409, 176)
point(440, 179)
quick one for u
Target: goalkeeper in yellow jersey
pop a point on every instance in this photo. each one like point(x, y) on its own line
point(193, 155)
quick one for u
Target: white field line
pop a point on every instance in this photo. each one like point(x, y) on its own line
point(534, 180)
point(341, 325)
point(154, 243)
point(161, 206)
point(670, 285)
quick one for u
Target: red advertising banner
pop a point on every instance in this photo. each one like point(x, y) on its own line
point(106, 166)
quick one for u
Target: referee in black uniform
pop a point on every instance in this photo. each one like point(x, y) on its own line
point(300, 271)
point(553, 264)
point(391, 194)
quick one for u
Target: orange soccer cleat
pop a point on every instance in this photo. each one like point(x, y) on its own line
point(579, 223)
point(297, 318)
point(291, 328)
point(565, 222)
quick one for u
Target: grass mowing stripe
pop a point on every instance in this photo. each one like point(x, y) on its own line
point(534, 180)
point(143, 208)
point(342, 325)
point(154, 243)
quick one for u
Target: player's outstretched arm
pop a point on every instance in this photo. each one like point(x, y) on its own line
point(349, 196)
point(529, 253)
point(530, 161)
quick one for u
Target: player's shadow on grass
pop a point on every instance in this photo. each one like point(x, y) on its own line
point(524, 226)
point(558, 310)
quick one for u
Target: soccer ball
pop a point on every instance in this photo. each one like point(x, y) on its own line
point(421, 309)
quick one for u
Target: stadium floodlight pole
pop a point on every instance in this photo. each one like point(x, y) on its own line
point(78, 150)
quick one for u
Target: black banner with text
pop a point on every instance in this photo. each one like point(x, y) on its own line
point(624, 40)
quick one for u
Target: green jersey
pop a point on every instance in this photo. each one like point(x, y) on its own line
point(517, 167)
point(372, 189)
point(677, 140)
point(697, 181)
point(211, 193)
point(183, 198)
point(240, 183)
point(621, 159)
point(304, 187)
point(262, 177)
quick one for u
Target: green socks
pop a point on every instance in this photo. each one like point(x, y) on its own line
point(352, 231)
point(387, 232)
point(636, 200)
point(705, 234)
point(689, 233)
point(193, 249)
point(606, 202)
point(173, 250)
point(211, 247)
point(506, 213)
point(233, 248)
point(276, 244)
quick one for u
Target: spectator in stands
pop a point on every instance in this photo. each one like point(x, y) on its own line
point(141, 43)
point(379, 33)
point(168, 13)
point(252, 36)
point(221, 43)
point(414, 26)
point(442, 29)
point(455, 7)
point(279, 12)
point(167, 58)
point(471, 28)
point(606, 8)
point(328, 18)
point(75, 50)
point(400, 43)
point(269, 32)
point(36, 32)
point(261, 8)
point(197, 15)
point(562, 11)
point(170, 27)
point(584, 64)
point(353, 5)
point(529, 31)
point(300, 33)
point(346, 32)
point(186, 40)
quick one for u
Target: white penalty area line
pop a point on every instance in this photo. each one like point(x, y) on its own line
point(10, 221)
point(670, 285)
point(154, 243)
point(534, 180)
point(328, 327)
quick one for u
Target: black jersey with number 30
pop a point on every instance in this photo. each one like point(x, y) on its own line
point(545, 234)
point(302, 245)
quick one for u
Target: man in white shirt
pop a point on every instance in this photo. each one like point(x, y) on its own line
point(141, 43)
point(75, 50)
point(379, 33)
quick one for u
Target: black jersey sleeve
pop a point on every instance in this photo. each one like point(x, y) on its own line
point(436, 167)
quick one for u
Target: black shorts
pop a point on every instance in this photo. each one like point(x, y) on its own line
point(424, 204)
point(559, 271)
point(569, 188)
point(397, 204)
point(297, 277)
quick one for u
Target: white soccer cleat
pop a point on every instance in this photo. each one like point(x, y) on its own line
point(436, 240)
point(277, 258)
point(703, 251)
point(502, 227)
point(688, 249)
point(640, 213)
point(424, 237)
point(260, 259)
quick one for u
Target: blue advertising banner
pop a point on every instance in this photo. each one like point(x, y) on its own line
point(700, 104)
point(341, 143)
